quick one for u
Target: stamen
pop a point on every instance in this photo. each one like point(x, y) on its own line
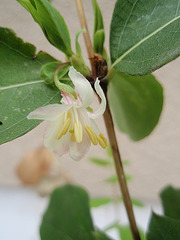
point(91, 134)
point(103, 137)
point(101, 141)
point(78, 131)
point(73, 139)
point(63, 130)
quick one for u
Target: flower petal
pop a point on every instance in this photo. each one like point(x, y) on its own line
point(60, 146)
point(102, 107)
point(49, 112)
point(78, 150)
point(82, 86)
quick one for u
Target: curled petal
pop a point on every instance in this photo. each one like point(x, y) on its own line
point(102, 107)
point(82, 86)
point(49, 112)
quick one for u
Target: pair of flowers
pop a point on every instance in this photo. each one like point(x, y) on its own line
point(70, 125)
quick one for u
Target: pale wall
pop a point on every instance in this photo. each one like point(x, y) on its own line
point(155, 161)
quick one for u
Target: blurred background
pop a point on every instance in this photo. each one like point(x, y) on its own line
point(154, 161)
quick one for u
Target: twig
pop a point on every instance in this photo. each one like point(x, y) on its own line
point(86, 35)
point(110, 129)
point(119, 168)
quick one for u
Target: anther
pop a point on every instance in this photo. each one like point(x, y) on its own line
point(101, 141)
point(91, 134)
point(63, 130)
point(78, 131)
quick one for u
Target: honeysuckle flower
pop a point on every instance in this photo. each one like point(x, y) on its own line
point(70, 126)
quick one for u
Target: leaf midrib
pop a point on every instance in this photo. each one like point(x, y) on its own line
point(142, 41)
point(21, 85)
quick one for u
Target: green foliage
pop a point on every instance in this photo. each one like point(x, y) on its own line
point(99, 201)
point(114, 178)
point(125, 233)
point(101, 162)
point(21, 89)
point(101, 236)
point(135, 202)
point(51, 22)
point(68, 216)
point(144, 35)
point(171, 202)
point(47, 72)
point(166, 227)
point(136, 103)
point(163, 228)
point(99, 35)
point(78, 47)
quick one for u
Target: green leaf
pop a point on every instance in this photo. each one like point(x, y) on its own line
point(109, 152)
point(78, 47)
point(171, 202)
point(144, 35)
point(68, 213)
point(101, 236)
point(47, 72)
point(125, 233)
point(163, 228)
point(137, 203)
point(114, 179)
point(99, 38)
point(134, 201)
point(52, 24)
point(99, 201)
point(21, 89)
point(30, 7)
point(136, 103)
point(101, 162)
point(99, 35)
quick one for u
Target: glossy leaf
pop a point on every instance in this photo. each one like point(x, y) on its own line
point(51, 22)
point(144, 35)
point(21, 88)
point(163, 228)
point(68, 213)
point(99, 201)
point(136, 103)
point(171, 202)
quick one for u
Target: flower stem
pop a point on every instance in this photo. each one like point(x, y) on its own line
point(119, 169)
point(110, 128)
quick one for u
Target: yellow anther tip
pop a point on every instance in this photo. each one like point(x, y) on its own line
point(63, 130)
point(78, 131)
point(91, 134)
point(102, 142)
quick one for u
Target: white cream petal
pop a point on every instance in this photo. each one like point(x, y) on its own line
point(102, 107)
point(78, 150)
point(82, 86)
point(49, 112)
point(60, 146)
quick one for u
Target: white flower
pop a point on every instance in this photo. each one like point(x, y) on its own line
point(70, 126)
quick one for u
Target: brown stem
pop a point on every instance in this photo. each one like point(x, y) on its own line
point(119, 169)
point(110, 128)
point(86, 35)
